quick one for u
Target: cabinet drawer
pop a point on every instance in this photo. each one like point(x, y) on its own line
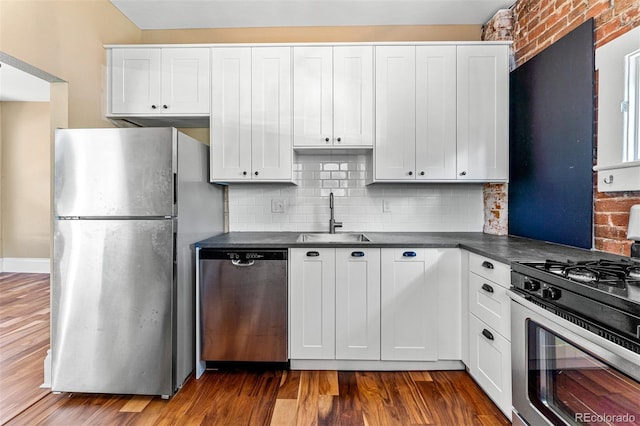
point(490, 363)
point(490, 269)
point(490, 302)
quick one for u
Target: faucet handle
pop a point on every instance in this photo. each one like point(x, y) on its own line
point(337, 224)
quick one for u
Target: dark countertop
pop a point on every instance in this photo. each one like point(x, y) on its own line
point(504, 249)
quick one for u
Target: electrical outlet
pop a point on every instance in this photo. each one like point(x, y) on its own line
point(277, 206)
point(386, 206)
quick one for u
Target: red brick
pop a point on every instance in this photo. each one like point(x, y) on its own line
point(616, 205)
point(610, 232)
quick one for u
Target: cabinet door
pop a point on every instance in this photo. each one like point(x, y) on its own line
point(231, 114)
point(135, 81)
point(185, 80)
point(395, 113)
point(312, 96)
point(409, 312)
point(483, 112)
point(490, 362)
point(448, 276)
point(312, 319)
point(435, 112)
point(358, 304)
point(271, 113)
point(353, 95)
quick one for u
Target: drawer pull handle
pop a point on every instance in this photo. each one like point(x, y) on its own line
point(357, 254)
point(313, 254)
point(487, 265)
point(486, 333)
point(487, 288)
point(409, 254)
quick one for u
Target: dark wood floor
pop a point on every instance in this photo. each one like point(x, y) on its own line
point(223, 398)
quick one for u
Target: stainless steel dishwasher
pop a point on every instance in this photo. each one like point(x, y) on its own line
point(243, 305)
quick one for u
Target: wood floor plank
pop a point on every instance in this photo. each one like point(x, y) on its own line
point(136, 404)
point(234, 397)
point(284, 412)
point(307, 413)
point(328, 383)
point(24, 340)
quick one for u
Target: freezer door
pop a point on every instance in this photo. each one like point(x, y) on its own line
point(114, 172)
point(112, 286)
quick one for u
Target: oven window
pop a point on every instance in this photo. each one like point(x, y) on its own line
point(570, 386)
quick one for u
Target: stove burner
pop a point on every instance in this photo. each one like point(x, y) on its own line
point(607, 275)
point(582, 275)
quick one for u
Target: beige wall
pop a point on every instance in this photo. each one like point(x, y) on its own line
point(317, 34)
point(26, 171)
point(63, 38)
point(66, 38)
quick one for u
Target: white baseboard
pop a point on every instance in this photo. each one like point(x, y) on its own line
point(25, 265)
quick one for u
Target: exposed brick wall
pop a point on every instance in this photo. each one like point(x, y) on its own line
point(495, 195)
point(540, 23)
point(537, 25)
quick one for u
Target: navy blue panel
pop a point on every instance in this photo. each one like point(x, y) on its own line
point(551, 142)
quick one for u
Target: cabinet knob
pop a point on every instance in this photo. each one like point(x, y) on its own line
point(327, 140)
point(165, 106)
point(486, 333)
point(486, 287)
point(154, 107)
point(244, 173)
point(463, 173)
point(421, 173)
point(339, 140)
point(410, 173)
point(255, 173)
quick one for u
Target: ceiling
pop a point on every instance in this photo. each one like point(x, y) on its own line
point(186, 14)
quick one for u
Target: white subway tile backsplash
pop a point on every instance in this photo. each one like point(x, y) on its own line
point(411, 206)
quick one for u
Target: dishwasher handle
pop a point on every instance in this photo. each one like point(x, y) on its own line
point(242, 264)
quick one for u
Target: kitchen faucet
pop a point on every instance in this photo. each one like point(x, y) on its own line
point(332, 222)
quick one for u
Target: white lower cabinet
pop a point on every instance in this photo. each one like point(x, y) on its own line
point(335, 303)
point(490, 362)
point(358, 304)
point(414, 283)
point(312, 275)
point(489, 328)
point(374, 304)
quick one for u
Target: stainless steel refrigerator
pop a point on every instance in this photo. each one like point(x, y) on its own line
point(128, 205)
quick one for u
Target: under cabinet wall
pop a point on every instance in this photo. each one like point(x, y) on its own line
point(381, 207)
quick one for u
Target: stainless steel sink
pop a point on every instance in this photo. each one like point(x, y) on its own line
point(333, 238)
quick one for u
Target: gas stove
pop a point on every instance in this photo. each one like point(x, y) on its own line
point(602, 296)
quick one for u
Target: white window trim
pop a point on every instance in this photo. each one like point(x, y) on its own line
point(631, 107)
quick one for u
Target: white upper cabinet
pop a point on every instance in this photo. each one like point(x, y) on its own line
point(159, 81)
point(231, 114)
point(442, 113)
point(333, 96)
point(435, 112)
point(271, 157)
point(251, 114)
point(483, 112)
point(395, 113)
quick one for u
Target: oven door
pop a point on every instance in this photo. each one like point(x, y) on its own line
point(563, 374)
